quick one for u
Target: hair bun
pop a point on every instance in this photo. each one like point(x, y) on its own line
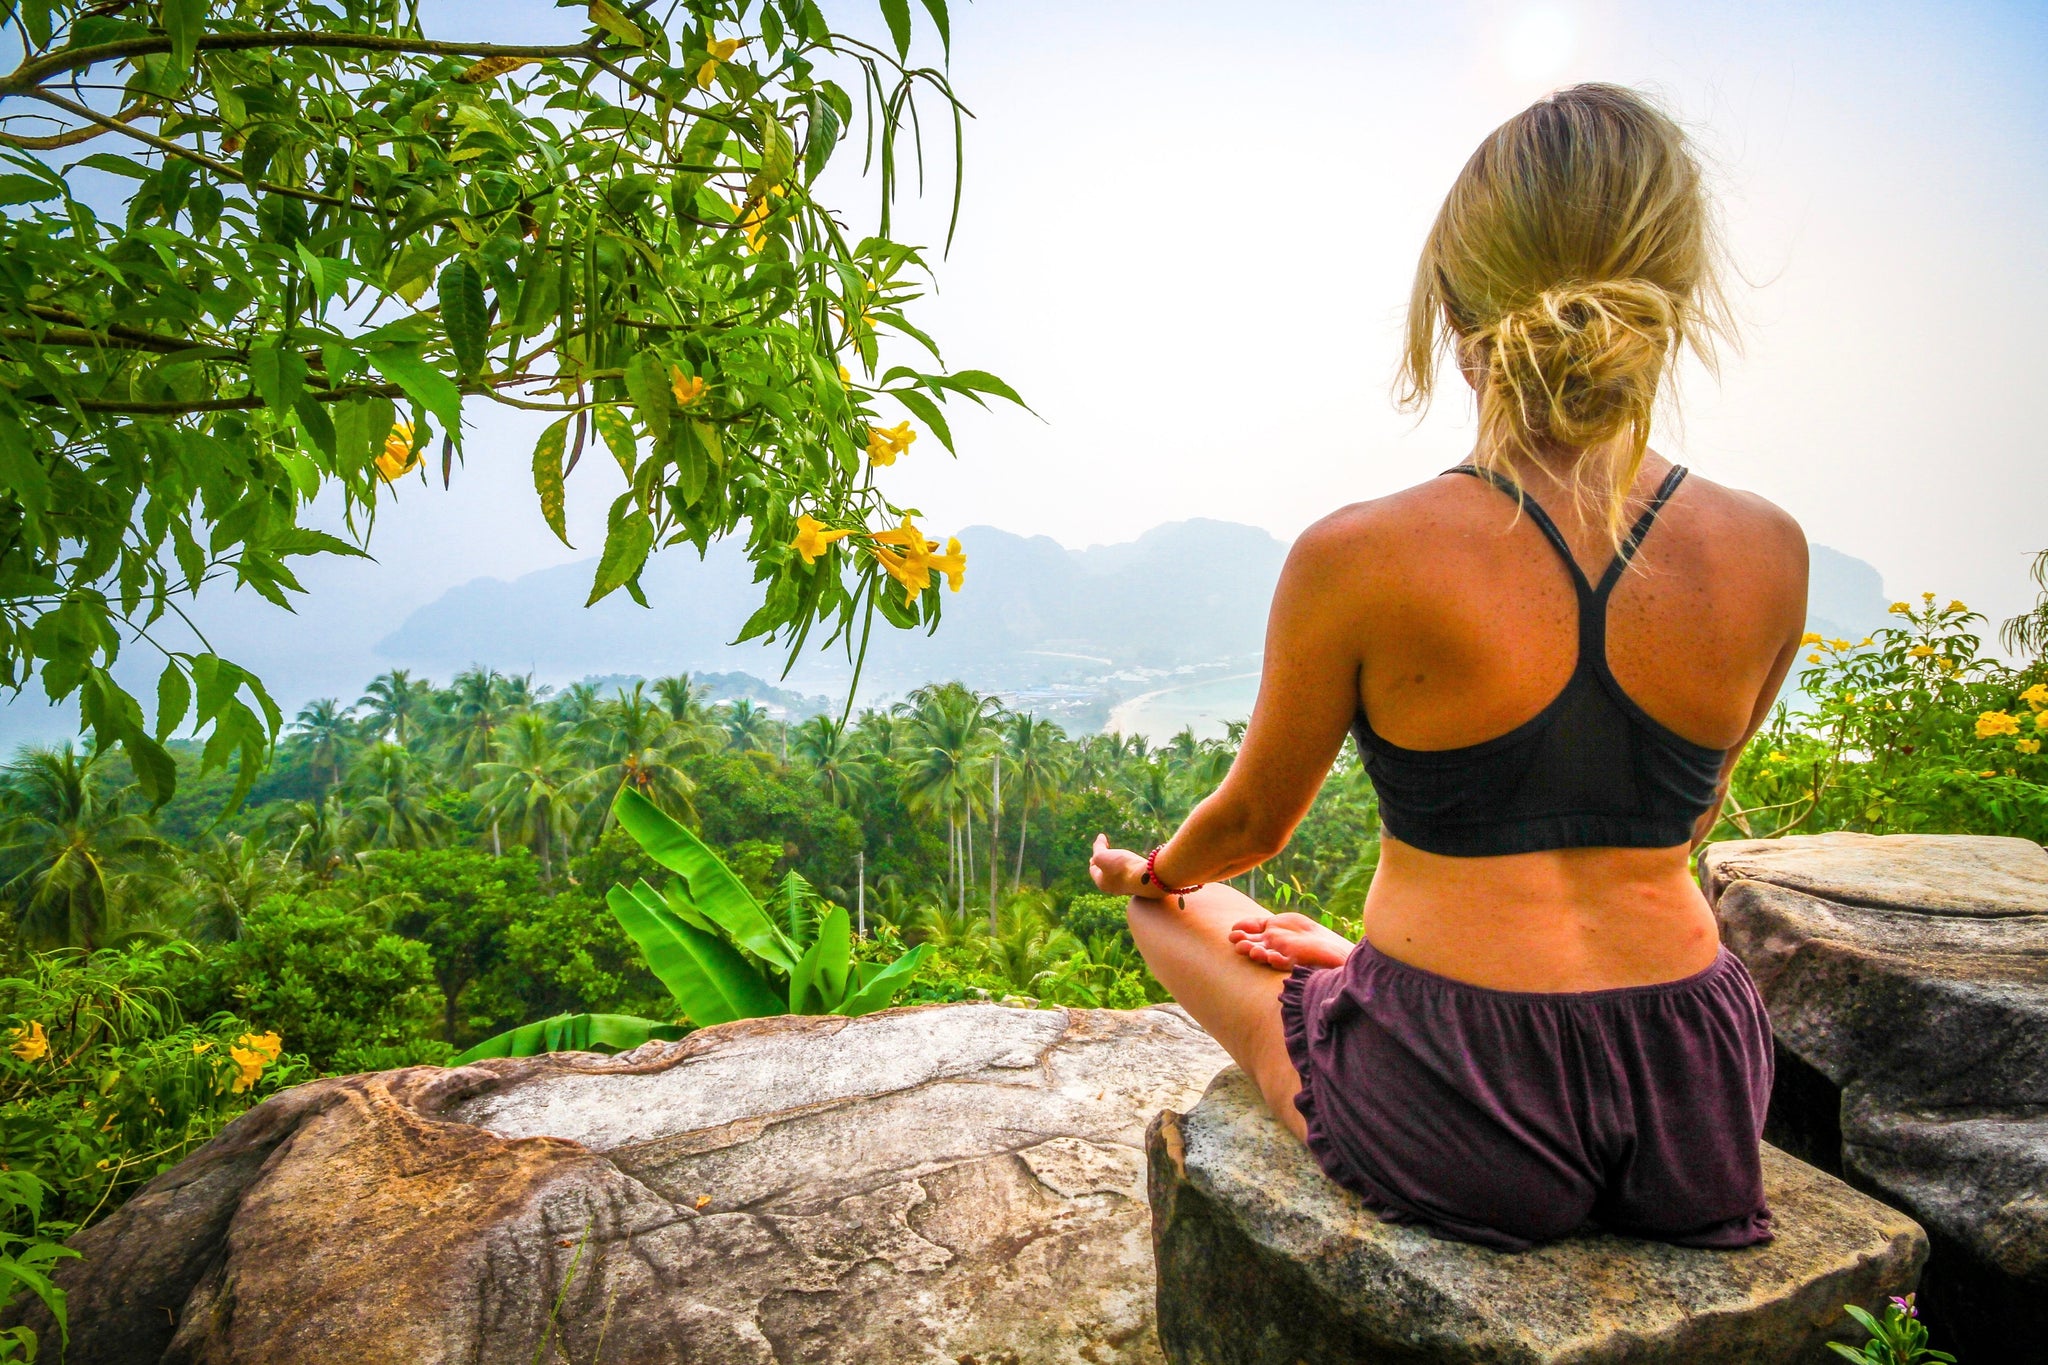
point(1582, 361)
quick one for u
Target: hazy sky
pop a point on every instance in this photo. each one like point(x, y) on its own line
point(1188, 242)
point(1188, 238)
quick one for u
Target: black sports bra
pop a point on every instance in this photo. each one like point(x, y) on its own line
point(1590, 770)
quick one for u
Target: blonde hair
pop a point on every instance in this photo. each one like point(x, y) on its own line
point(1574, 256)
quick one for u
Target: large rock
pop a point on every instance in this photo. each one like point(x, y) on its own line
point(1264, 1261)
point(1907, 981)
point(950, 1184)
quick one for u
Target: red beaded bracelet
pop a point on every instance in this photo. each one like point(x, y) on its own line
point(1151, 876)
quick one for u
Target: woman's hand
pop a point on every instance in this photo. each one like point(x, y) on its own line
point(1116, 871)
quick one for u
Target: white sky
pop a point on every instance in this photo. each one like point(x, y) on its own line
point(1188, 243)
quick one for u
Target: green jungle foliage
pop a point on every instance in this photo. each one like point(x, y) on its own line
point(327, 231)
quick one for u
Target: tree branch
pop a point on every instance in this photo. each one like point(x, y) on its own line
point(30, 74)
point(74, 136)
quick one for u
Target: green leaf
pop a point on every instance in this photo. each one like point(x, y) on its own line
point(834, 947)
point(547, 477)
point(937, 10)
point(617, 431)
point(647, 384)
point(626, 545)
point(928, 411)
point(26, 189)
point(184, 20)
point(278, 374)
point(709, 979)
point(173, 699)
point(616, 24)
point(423, 384)
point(713, 889)
point(881, 988)
point(571, 1033)
point(463, 315)
point(897, 12)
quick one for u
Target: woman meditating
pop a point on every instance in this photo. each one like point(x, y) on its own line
point(1550, 657)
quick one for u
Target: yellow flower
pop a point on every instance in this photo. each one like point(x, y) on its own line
point(1775, 757)
point(753, 218)
point(1996, 723)
point(1928, 598)
point(953, 564)
point(2036, 696)
point(687, 388)
point(812, 538)
point(268, 1044)
point(718, 51)
point(1813, 658)
point(2028, 746)
point(1810, 638)
point(1957, 606)
point(2041, 721)
point(1947, 665)
point(1921, 651)
point(1862, 642)
point(202, 1047)
point(886, 443)
point(911, 565)
point(1839, 645)
point(30, 1043)
point(250, 1054)
point(845, 375)
point(1899, 608)
point(399, 457)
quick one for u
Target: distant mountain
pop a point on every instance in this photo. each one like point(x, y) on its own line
point(1066, 633)
point(1187, 594)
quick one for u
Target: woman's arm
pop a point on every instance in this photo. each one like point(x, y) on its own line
point(1308, 694)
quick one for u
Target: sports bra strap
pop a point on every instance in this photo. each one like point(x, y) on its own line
point(1629, 545)
point(1634, 540)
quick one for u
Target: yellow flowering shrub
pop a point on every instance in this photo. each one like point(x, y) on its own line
point(1915, 729)
point(104, 1084)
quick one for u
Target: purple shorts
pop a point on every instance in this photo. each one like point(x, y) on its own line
point(1513, 1117)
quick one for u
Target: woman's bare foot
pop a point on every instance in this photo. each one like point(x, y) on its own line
point(1289, 941)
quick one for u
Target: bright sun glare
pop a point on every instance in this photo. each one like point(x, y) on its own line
point(1538, 41)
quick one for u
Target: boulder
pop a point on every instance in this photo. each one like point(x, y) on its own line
point(1907, 982)
point(954, 1183)
point(1265, 1261)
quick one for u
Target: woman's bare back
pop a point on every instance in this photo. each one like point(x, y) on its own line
point(1467, 623)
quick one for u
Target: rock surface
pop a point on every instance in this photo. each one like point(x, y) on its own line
point(959, 1183)
point(1907, 981)
point(1264, 1261)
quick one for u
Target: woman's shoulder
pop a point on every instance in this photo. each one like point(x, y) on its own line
point(1748, 525)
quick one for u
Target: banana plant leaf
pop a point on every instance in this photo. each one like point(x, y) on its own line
point(881, 987)
point(818, 985)
point(713, 890)
point(571, 1033)
point(709, 980)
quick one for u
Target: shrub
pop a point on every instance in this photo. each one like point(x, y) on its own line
point(316, 969)
point(104, 1082)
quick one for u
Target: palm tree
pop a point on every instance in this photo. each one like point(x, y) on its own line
point(224, 880)
point(393, 810)
point(747, 726)
point(1036, 767)
point(1155, 797)
point(324, 731)
point(576, 702)
point(395, 705)
point(519, 692)
point(949, 728)
point(843, 770)
point(529, 789)
point(476, 712)
point(69, 848)
point(633, 743)
point(316, 832)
